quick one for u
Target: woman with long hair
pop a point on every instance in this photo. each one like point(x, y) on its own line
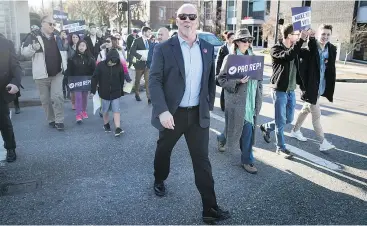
point(81, 64)
point(243, 98)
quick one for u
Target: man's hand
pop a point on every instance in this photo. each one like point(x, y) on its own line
point(304, 35)
point(36, 46)
point(167, 120)
point(311, 33)
point(12, 89)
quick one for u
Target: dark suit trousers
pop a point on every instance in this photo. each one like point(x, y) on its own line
point(6, 127)
point(197, 139)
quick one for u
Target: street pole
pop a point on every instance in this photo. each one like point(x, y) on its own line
point(277, 23)
point(128, 17)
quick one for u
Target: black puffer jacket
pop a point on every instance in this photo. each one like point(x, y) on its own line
point(110, 79)
point(81, 65)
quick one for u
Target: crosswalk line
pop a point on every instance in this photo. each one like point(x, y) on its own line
point(304, 154)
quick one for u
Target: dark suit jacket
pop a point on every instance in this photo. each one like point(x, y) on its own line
point(94, 50)
point(150, 54)
point(138, 44)
point(10, 70)
point(167, 80)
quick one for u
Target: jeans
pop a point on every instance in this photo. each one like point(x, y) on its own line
point(6, 127)
point(284, 104)
point(245, 143)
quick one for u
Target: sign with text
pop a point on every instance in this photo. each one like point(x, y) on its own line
point(59, 15)
point(75, 26)
point(80, 83)
point(240, 66)
point(301, 18)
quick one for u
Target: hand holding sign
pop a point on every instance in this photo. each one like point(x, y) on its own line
point(304, 35)
point(245, 79)
point(311, 33)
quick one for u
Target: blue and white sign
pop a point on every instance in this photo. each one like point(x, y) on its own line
point(59, 15)
point(301, 18)
point(75, 26)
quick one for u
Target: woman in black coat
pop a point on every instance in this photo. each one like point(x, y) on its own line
point(223, 51)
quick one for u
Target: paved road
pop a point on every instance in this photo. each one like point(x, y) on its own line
point(84, 176)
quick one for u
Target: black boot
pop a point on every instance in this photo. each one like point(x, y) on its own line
point(10, 155)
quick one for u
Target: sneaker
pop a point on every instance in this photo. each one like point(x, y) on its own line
point(59, 126)
point(11, 156)
point(52, 124)
point(250, 168)
point(285, 152)
point(84, 115)
point(79, 118)
point(118, 132)
point(298, 135)
point(266, 134)
point(326, 146)
point(107, 128)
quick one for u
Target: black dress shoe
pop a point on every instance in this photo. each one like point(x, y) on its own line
point(149, 101)
point(137, 97)
point(59, 126)
point(11, 156)
point(159, 188)
point(266, 134)
point(212, 215)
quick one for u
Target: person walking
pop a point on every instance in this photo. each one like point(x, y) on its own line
point(10, 82)
point(182, 84)
point(47, 70)
point(71, 50)
point(319, 76)
point(109, 76)
point(163, 35)
point(81, 64)
point(140, 61)
point(286, 60)
point(243, 104)
point(94, 43)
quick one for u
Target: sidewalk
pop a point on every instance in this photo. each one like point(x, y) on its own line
point(344, 73)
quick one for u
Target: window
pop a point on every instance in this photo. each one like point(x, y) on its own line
point(306, 3)
point(231, 9)
point(208, 10)
point(231, 27)
point(162, 12)
point(362, 3)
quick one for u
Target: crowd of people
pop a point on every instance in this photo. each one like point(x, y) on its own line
point(180, 79)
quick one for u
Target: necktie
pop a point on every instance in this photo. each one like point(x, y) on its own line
point(146, 44)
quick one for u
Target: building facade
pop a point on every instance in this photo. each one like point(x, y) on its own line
point(236, 14)
point(14, 20)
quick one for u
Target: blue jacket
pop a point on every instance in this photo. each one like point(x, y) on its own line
point(150, 54)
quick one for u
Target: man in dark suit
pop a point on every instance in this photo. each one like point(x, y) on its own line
point(182, 87)
point(140, 61)
point(94, 43)
point(10, 77)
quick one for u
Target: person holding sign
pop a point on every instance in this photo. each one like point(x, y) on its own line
point(243, 98)
point(81, 64)
point(286, 61)
point(319, 80)
point(110, 76)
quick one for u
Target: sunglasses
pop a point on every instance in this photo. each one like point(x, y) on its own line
point(108, 41)
point(246, 40)
point(49, 23)
point(184, 16)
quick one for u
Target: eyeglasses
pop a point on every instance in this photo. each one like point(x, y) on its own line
point(49, 23)
point(246, 40)
point(298, 34)
point(184, 16)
